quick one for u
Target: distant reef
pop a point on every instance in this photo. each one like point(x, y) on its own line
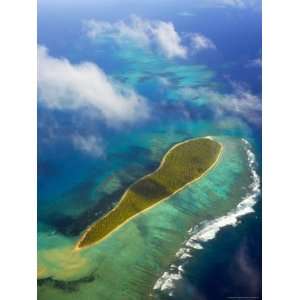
point(183, 164)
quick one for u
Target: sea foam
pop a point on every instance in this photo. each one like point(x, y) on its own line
point(207, 230)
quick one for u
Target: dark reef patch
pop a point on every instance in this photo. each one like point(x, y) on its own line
point(66, 286)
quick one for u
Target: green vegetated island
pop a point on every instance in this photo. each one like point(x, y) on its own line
point(183, 164)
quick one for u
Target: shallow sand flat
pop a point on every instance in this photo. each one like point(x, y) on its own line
point(133, 258)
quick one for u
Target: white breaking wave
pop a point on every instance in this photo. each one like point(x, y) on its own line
point(208, 137)
point(207, 230)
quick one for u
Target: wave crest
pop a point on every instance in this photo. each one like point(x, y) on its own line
point(207, 230)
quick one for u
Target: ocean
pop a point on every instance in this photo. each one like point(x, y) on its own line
point(203, 243)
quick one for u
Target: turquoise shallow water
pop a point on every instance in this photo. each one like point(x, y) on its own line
point(186, 99)
point(134, 257)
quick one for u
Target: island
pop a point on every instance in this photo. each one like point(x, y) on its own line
point(183, 164)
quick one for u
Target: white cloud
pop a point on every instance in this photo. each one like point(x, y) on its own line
point(241, 102)
point(186, 14)
point(164, 81)
point(190, 93)
point(63, 85)
point(90, 144)
point(242, 4)
point(157, 34)
point(169, 40)
point(136, 29)
point(149, 34)
point(237, 3)
point(199, 42)
point(254, 63)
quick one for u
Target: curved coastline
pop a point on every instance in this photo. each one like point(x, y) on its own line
point(78, 245)
point(203, 232)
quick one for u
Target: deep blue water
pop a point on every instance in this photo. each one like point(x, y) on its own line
point(229, 266)
point(66, 175)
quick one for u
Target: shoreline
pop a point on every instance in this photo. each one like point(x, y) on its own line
point(77, 248)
